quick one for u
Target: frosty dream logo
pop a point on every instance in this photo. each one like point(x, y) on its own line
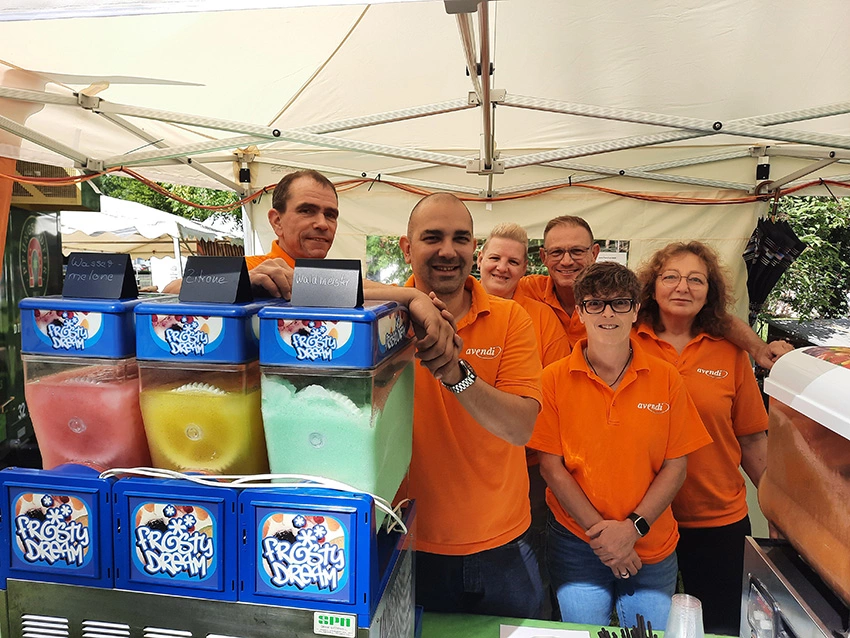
point(69, 334)
point(175, 546)
point(304, 558)
point(186, 337)
point(397, 333)
point(316, 344)
point(48, 534)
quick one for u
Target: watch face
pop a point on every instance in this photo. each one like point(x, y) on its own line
point(642, 526)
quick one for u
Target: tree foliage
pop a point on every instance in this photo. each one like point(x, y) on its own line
point(817, 283)
point(135, 191)
point(384, 260)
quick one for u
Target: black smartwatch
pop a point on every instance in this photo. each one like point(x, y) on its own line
point(641, 525)
point(468, 379)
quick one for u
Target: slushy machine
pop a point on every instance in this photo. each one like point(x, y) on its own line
point(205, 544)
point(800, 587)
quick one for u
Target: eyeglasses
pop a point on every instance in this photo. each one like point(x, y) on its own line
point(671, 278)
point(576, 253)
point(620, 305)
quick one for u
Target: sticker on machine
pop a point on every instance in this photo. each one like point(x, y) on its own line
point(193, 335)
point(174, 542)
point(392, 329)
point(328, 624)
point(52, 529)
point(314, 339)
point(68, 330)
point(304, 554)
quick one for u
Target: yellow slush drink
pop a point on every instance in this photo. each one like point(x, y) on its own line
point(201, 427)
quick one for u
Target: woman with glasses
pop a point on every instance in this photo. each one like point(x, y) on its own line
point(683, 315)
point(613, 435)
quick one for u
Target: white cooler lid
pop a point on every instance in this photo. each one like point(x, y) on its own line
point(815, 381)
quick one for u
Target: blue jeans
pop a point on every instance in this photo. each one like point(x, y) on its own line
point(587, 590)
point(503, 581)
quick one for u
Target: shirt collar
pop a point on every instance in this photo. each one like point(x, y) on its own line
point(279, 253)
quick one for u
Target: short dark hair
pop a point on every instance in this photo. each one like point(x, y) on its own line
point(281, 191)
point(606, 279)
point(568, 220)
point(714, 317)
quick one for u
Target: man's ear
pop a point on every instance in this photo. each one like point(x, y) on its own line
point(542, 254)
point(275, 221)
point(594, 250)
point(404, 244)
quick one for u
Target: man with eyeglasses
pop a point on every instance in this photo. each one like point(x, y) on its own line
point(568, 248)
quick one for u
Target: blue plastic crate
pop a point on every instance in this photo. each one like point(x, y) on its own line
point(176, 537)
point(56, 526)
point(168, 330)
point(332, 337)
point(309, 548)
point(65, 326)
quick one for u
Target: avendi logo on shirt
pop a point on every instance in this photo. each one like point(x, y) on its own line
point(655, 408)
point(485, 353)
point(715, 374)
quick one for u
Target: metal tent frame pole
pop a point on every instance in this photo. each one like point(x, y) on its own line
point(370, 175)
point(144, 135)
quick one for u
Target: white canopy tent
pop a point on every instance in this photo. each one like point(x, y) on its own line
point(671, 99)
point(138, 230)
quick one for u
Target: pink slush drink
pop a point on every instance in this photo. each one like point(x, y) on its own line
point(87, 415)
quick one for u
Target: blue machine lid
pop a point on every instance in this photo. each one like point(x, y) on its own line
point(370, 311)
point(76, 304)
point(173, 307)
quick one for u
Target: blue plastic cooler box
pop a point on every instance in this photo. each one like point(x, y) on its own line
point(332, 337)
point(56, 526)
point(176, 537)
point(168, 330)
point(66, 326)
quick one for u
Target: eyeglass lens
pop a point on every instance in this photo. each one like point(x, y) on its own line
point(672, 278)
point(597, 306)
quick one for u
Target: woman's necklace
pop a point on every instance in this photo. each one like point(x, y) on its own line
point(614, 382)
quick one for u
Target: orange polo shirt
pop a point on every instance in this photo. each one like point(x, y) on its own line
point(275, 253)
point(614, 441)
point(720, 380)
point(540, 288)
point(470, 486)
point(552, 341)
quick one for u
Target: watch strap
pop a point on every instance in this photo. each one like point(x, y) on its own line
point(468, 379)
point(640, 523)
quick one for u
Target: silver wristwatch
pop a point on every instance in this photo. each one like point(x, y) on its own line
point(468, 379)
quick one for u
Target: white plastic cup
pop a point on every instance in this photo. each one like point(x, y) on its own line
point(685, 619)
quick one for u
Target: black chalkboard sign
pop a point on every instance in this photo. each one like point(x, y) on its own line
point(100, 276)
point(333, 283)
point(215, 280)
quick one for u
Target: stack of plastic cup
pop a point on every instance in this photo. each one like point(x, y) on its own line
point(685, 619)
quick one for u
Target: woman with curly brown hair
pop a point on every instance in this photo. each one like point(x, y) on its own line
point(683, 315)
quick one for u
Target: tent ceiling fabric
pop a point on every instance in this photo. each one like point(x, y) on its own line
point(572, 80)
